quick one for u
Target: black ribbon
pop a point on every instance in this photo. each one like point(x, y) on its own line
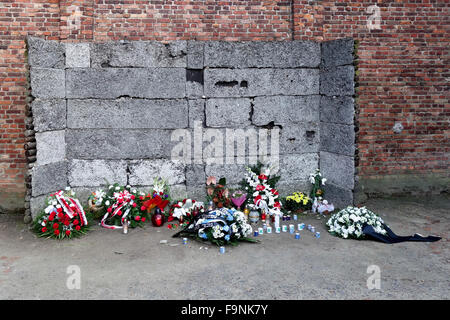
point(391, 237)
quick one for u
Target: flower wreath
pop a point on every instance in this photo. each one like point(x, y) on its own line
point(298, 201)
point(122, 205)
point(158, 198)
point(350, 222)
point(64, 217)
point(185, 210)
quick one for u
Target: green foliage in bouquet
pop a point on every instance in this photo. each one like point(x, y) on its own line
point(297, 201)
point(349, 222)
point(218, 193)
point(220, 227)
point(158, 197)
point(63, 217)
point(119, 201)
point(257, 176)
point(272, 180)
point(317, 182)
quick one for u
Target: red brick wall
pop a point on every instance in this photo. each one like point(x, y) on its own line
point(402, 68)
point(17, 20)
point(402, 71)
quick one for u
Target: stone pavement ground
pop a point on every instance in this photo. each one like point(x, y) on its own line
point(137, 266)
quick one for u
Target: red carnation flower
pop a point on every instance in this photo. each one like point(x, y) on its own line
point(75, 222)
point(119, 212)
point(134, 205)
point(44, 229)
point(109, 210)
point(143, 219)
point(260, 187)
point(137, 218)
point(132, 197)
point(67, 232)
point(143, 208)
point(60, 215)
point(141, 198)
point(55, 226)
point(262, 177)
point(277, 204)
point(56, 232)
point(66, 222)
point(59, 209)
point(77, 228)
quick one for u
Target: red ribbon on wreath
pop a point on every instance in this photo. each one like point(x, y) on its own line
point(122, 198)
point(75, 204)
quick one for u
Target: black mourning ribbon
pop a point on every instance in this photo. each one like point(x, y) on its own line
point(391, 237)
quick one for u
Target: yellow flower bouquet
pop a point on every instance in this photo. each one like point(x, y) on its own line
point(298, 202)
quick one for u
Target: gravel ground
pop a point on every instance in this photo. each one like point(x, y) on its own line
point(137, 266)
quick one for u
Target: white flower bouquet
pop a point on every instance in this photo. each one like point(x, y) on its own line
point(262, 194)
point(349, 222)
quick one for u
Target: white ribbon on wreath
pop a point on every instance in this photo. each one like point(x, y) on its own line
point(63, 201)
